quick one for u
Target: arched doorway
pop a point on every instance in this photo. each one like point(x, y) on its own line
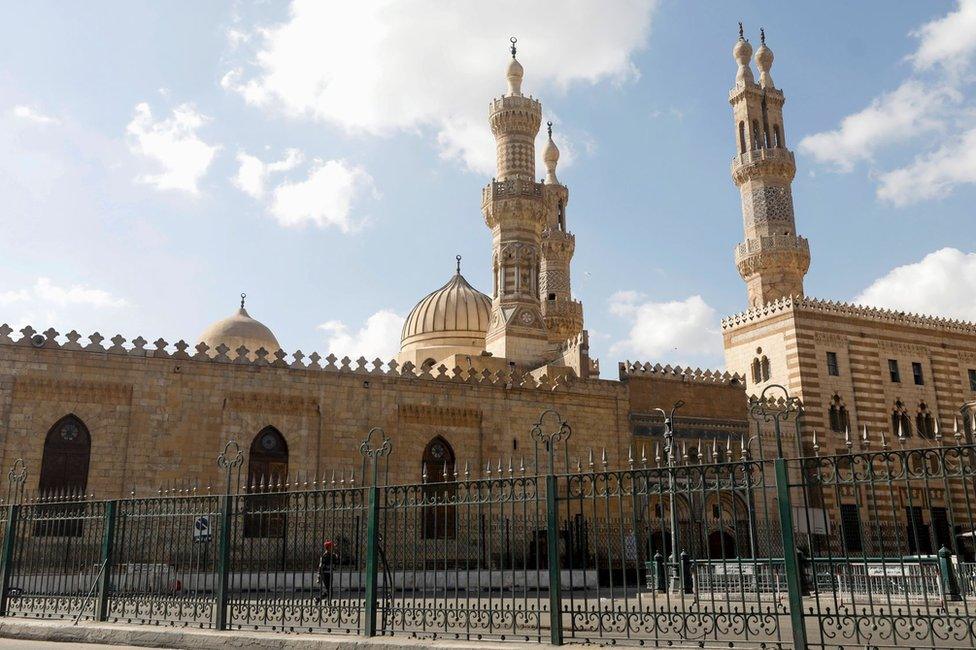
point(267, 472)
point(64, 473)
point(721, 545)
point(440, 517)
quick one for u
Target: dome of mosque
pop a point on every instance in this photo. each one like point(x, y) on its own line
point(240, 329)
point(456, 315)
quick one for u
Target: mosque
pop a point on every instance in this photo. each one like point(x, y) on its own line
point(475, 370)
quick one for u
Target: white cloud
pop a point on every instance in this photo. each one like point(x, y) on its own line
point(949, 41)
point(45, 304)
point(380, 66)
point(45, 291)
point(33, 115)
point(933, 175)
point(905, 113)
point(941, 284)
point(325, 198)
point(173, 145)
point(378, 338)
point(678, 331)
point(931, 102)
point(252, 175)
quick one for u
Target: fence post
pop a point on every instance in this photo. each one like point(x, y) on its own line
point(108, 541)
point(660, 573)
point(552, 543)
point(947, 573)
point(223, 561)
point(9, 539)
point(372, 560)
point(794, 578)
point(687, 581)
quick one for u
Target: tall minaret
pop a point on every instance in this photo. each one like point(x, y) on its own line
point(562, 314)
point(513, 207)
point(773, 259)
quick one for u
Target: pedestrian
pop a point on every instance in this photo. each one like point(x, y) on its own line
point(327, 562)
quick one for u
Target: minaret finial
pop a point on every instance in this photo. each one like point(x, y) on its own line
point(458, 258)
point(549, 127)
point(742, 35)
point(514, 41)
point(762, 36)
point(243, 296)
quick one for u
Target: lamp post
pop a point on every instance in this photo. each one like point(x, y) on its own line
point(669, 450)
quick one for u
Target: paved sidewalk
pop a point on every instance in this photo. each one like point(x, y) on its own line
point(17, 644)
point(14, 630)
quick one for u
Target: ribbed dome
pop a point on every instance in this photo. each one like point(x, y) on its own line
point(455, 310)
point(240, 329)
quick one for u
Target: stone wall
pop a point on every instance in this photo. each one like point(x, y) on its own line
point(157, 417)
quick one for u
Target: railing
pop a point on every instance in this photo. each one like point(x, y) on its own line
point(659, 552)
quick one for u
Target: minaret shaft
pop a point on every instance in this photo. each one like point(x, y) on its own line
point(513, 208)
point(772, 259)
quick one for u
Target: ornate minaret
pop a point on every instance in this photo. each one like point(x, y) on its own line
point(562, 314)
point(773, 259)
point(513, 207)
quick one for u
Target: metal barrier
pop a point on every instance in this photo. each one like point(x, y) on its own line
point(663, 551)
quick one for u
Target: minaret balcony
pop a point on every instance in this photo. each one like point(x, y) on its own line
point(512, 188)
point(568, 309)
point(753, 156)
point(771, 161)
point(767, 243)
point(771, 251)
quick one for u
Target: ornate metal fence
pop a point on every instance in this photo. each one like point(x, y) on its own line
point(873, 547)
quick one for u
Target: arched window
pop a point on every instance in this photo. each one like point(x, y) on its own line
point(756, 371)
point(924, 423)
point(756, 135)
point(267, 472)
point(561, 214)
point(440, 518)
point(839, 417)
point(765, 368)
point(64, 471)
point(742, 137)
point(781, 135)
point(777, 138)
point(900, 420)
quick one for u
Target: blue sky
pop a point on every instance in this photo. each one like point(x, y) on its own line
point(156, 159)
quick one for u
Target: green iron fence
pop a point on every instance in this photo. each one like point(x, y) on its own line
point(663, 551)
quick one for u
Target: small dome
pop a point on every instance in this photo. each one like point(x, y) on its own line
point(514, 73)
point(742, 51)
point(550, 154)
point(764, 62)
point(240, 329)
point(456, 315)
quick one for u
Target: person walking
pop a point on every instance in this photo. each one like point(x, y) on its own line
point(327, 562)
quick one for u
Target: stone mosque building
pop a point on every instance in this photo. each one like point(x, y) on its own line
point(475, 370)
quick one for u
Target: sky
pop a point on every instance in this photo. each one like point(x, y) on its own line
point(327, 158)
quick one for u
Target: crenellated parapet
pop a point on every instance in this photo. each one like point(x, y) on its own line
point(831, 307)
point(95, 343)
point(677, 373)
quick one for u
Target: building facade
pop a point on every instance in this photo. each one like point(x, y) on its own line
point(475, 370)
point(867, 377)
